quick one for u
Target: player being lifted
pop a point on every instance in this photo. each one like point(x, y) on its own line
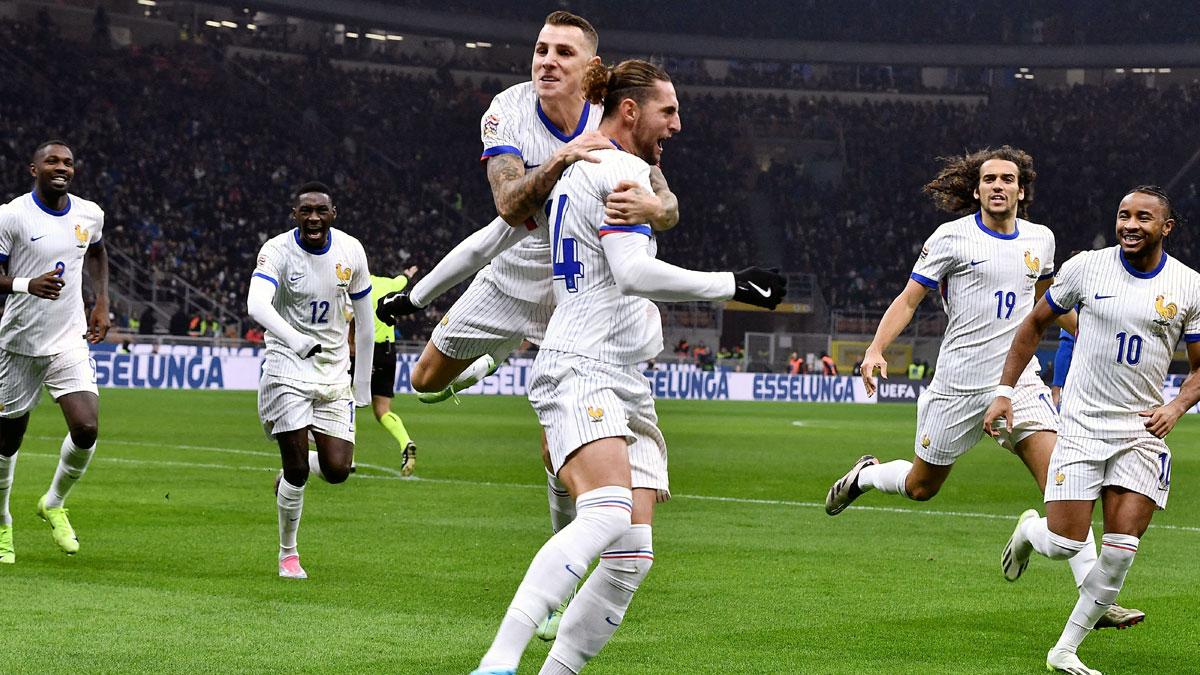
point(47, 238)
point(531, 133)
point(297, 293)
point(1136, 302)
point(989, 266)
point(587, 389)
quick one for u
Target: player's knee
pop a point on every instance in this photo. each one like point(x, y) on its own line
point(336, 471)
point(84, 434)
point(921, 492)
point(1062, 547)
point(422, 379)
point(296, 475)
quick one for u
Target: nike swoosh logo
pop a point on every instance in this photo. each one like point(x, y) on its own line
point(979, 262)
point(296, 277)
point(36, 238)
point(292, 520)
point(1102, 604)
point(761, 291)
point(532, 166)
point(611, 622)
point(573, 572)
point(1104, 297)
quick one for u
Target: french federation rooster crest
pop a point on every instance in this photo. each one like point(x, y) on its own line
point(343, 275)
point(1166, 312)
point(1034, 265)
point(82, 236)
point(596, 413)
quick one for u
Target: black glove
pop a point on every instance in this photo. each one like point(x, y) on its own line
point(759, 287)
point(393, 306)
point(313, 352)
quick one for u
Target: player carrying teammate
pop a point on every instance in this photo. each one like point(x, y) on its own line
point(589, 394)
point(1136, 303)
point(531, 133)
point(297, 293)
point(989, 266)
point(47, 238)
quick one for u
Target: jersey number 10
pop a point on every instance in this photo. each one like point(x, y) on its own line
point(565, 266)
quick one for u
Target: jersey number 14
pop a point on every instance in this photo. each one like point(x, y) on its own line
point(562, 257)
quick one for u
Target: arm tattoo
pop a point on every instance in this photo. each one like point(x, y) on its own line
point(658, 183)
point(519, 195)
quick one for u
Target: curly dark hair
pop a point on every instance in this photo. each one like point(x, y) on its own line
point(1161, 194)
point(954, 188)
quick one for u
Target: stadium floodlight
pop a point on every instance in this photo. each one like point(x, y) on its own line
point(395, 37)
point(483, 44)
point(213, 24)
point(471, 45)
point(229, 24)
point(251, 26)
point(148, 3)
point(1164, 70)
point(353, 36)
point(376, 36)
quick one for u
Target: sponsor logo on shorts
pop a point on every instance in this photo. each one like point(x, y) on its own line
point(926, 441)
point(597, 414)
point(445, 320)
point(1060, 478)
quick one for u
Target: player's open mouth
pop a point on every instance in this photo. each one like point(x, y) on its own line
point(547, 78)
point(1130, 239)
point(59, 181)
point(998, 199)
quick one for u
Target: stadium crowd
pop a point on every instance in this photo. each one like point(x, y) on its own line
point(193, 156)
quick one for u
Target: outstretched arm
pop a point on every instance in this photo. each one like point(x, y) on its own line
point(1024, 344)
point(465, 259)
point(638, 273)
point(897, 317)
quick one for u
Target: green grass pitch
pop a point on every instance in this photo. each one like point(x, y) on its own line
point(177, 568)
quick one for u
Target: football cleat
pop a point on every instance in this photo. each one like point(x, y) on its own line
point(1064, 661)
point(60, 526)
point(7, 554)
point(846, 490)
point(408, 459)
point(1115, 617)
point(494, 671)
point(548, 628)
point(459, 384)
point(1015, 557)
point(289, 567)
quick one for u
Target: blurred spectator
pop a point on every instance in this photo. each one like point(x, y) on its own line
point(828, 367)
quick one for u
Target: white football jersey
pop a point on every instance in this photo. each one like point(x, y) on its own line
point(515, 124)
point(593, 318)
point(1129, 324)
point(986, 281)
point(312, 290)
point(35, 239)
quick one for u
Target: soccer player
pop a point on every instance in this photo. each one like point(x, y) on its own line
point(299, 288)
point(383, 375)
point(989, 266)
point(1136, 303)
point(531, 133)
point(586, 387)
point(47, 239)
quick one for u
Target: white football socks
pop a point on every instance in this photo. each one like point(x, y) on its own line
point(314, 465)
point(1053, 546)
point(603, 515)
point(887, 477)
point(72, 462)
point(290, 503)
point(599, 607)
point(473, 373)
point(7, 466)
point(562, 506)
point(1082, 562)
point(1100, 588)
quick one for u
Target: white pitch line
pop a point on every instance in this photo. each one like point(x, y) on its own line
point(396, 475)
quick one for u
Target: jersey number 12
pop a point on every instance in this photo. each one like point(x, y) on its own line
point(565, 266)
